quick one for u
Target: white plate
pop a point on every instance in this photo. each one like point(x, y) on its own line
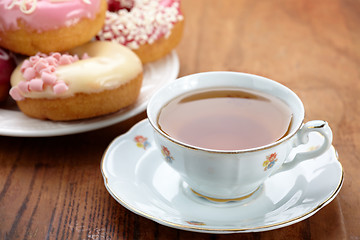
point(137, 177)
point(156, 74)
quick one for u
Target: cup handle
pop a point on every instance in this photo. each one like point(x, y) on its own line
point(302, 137)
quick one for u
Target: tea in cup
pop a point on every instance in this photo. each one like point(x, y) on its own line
point(225, 118)
point(225, 133)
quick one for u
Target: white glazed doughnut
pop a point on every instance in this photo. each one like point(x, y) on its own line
point(151, 28)
point(106, 78)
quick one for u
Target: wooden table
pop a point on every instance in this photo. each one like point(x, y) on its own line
point(52, 188)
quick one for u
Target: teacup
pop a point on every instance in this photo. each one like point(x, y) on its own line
point(225, 175)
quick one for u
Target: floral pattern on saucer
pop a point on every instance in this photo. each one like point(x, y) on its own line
point(142, 142)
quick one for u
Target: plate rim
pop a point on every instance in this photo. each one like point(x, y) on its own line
point(203, 229)
point(83, 126)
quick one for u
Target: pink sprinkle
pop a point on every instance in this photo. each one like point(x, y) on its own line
point(29, 73)
point(16, 94)
point(56, 55)
point(25, 65)
point(49, 69)
point(85, 56)
point(60, 87)
point(36, 84)
point(51, 60)
point(34, 59)
point(24, 86)
point(166, 3)
point(42, 55)
point(41, 64)
point(75, 58)
point(65, 59)
point(48, 78)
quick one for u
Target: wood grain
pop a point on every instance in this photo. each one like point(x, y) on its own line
point(52, 188)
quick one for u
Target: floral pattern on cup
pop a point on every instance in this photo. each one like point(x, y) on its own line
point(141, 142)
point(167, 155)
point(270, 161)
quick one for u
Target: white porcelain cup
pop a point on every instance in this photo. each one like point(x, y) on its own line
point(227, 175)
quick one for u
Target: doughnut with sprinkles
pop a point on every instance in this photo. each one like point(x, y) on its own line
point(91, 80)
point(151, 28)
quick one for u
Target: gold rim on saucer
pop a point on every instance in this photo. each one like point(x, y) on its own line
point(225, 200)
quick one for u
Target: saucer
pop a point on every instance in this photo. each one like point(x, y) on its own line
point(139, 179)
point(14, 123)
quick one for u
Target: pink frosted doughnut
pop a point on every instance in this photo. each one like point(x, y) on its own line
point(31, 26)
point(151, 28)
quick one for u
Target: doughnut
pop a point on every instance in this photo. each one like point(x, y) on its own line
point(151, 28)
point(31, 26)
point(91, 80)
point(7, 65)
